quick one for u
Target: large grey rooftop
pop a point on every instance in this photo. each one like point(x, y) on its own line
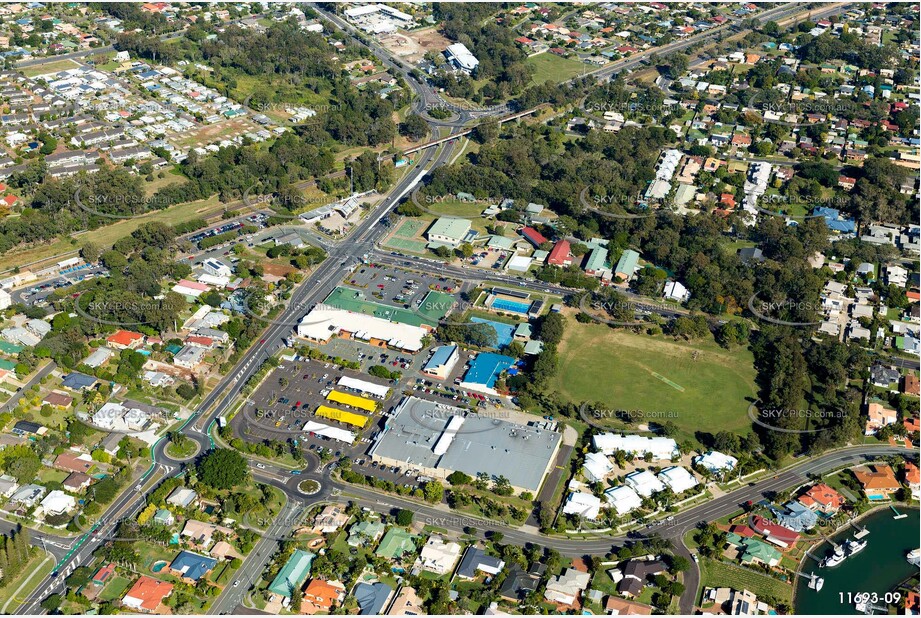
point(483, 443)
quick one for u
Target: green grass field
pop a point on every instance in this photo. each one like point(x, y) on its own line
point(551, 67)
point(115, 589)
point(34, 571)
point(720, 574)
point(624, 371)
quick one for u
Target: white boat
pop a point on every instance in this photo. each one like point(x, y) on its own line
point(816, 583)
point(836, 558)
point(914, 557)
point(855, 547)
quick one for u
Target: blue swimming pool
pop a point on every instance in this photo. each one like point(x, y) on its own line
point(504, 332)
point(502, 304)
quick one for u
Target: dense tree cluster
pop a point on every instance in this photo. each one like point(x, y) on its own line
point(501, 59)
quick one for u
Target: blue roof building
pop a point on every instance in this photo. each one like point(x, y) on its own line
point(485, 370)
point(192, 566)
point(833, 220)
point(372, 597)
point(78, 381)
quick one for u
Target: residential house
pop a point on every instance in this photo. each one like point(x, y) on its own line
point(321, 596)
point(293, 574)
point(878, 416)
point(330, 519)
point(407, 603)
point(878, 481)
point(566, 588)
point(372, 598)
point(147, 595)
point(191, 567)
point(438, 556)
point(754, 551)
point(77, 482)
point(636, 575)
point(182, 497)
point(475, 560)
point(518, 583)
point(365, 533)
point(821, 497)
point(395, 544)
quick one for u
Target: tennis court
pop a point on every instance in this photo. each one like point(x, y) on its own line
point(409, 228)
point(405, 244)
point(436, 305)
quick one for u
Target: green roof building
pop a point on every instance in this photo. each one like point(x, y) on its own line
point(396, 543)
point(752, 550)
point(365, 531)
point(293, 574)
point(596, 260)
point(9, 348)
point(164, 518)
point(626, 265)
point(448, 231)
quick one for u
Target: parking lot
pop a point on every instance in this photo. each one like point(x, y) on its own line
point(400, 288)
point(290, 396)
point(36, 294)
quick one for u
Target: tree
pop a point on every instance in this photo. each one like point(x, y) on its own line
point(551, 328)
point(486, 131)
point(52, 602)
point(222, 469)
point(404, 517)
point(414, 127)
point(434, 491)
point(459, 478)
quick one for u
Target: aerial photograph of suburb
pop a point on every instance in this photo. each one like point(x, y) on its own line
point(455, 308)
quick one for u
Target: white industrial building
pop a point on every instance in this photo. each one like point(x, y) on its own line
point(637, 446)
point(363, 386)
point(582, 504)
point(216, 268)
point(677, 479)
point(322, 323)
point(623, 499)
point(461, 58)
point(644, 483)
point(596, 467)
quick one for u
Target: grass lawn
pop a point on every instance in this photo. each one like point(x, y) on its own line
point(115, 589)
point(551, 67)
point(50, 67)
point(170, 177)
point(717, 574)
point(454, 208)
point(31, 574)
point(48, 475)
point(622, 370)
point(104, 237)
point(180, 452)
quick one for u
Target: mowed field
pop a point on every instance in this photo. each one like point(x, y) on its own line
point(657, 376)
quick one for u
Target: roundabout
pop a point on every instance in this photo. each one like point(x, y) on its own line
point(183, 451)
point(309, 487)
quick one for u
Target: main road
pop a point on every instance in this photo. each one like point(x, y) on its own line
point(340, 260)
